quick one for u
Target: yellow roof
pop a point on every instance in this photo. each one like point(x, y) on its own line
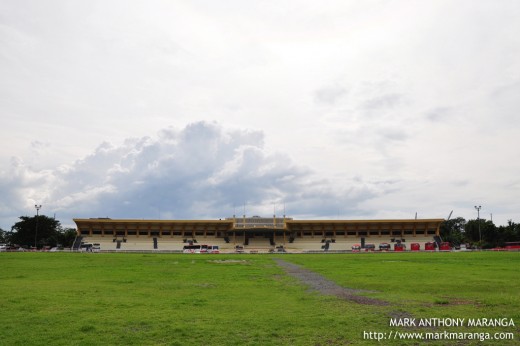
point(291, 225)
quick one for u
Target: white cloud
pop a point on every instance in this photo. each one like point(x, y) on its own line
point(200, 171)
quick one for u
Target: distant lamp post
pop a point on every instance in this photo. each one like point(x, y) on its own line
point(478, 220)
point(36, 230)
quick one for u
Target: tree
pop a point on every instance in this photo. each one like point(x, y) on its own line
point(516, 233)
point(66, 236)
point(453, 230)
point(508, 233)
point(3, 236)
point(40, 230)
point(487, 237)
point(490, 235)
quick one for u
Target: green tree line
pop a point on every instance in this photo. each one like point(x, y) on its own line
point(480, 233)
point(38, 231)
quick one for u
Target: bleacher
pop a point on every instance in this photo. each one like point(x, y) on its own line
point(220, 242)
point(345, 244)
point(106, 243)
point(137, 244)
point(170, 244)
point(259, 245)
point(304, 245)
point(110, 243)
point(253, 233)
point(254, 244)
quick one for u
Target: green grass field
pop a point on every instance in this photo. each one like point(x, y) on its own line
point(177, 299)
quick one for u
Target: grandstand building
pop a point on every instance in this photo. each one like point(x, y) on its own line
point(254, 234)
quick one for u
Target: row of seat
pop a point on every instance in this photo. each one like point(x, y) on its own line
point(259, 244)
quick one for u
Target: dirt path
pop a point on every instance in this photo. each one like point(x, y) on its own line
point(324, 286)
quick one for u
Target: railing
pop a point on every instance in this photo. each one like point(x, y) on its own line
point(259, 225)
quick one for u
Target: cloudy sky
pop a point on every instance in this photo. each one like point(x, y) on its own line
point(193, 109)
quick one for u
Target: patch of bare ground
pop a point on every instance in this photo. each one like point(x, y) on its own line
point(447, 301)
point(325, 286)
point(228, 261)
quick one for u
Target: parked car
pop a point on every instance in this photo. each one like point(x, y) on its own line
point(445, 246)
point(429, 246)
point(399, 247)
point(370, 247)
point(384, 247)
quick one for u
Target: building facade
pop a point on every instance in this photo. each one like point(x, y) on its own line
point(257, 234)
